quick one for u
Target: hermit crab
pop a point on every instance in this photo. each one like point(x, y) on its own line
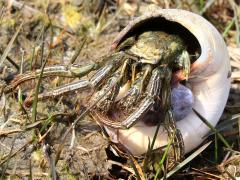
point(209, 80)
point(152, 54)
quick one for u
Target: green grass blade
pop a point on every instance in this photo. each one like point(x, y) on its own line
point(213, 129)
point(187, 160)
point(228, 123)
point(229, 26)
point(164, 157)
point(216, 148)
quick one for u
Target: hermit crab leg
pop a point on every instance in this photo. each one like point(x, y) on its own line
point(115, 81)
point(70, 71)
point(79, 85)
point(56, 70)
point(169, 121)
point(114, 61)
point(134, 94)
point(152, 92)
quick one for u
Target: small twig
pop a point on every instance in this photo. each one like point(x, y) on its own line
point(121, 165)
point(43, 136)
point(87, 151)
point(9, 131)
point(73, 137)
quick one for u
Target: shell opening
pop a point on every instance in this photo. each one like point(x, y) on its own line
point(162, 24)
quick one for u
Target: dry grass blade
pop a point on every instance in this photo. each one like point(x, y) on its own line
point(9, 46)
point(2, 14)
point(234, 53)
point(78, 51)
point(10, 60)
point(137, 168)
point(46, 133)
point(224, 167)
point(122, 166)
point(236, 75)
point(20, 93)
point(135, 165)
point(9, 131)
point(187, 160)
point(30, 169)
point(25, 174)
point(51, 162)
point(8, 157)
point(207, 174)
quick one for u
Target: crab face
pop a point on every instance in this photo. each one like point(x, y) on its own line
point(155, 46)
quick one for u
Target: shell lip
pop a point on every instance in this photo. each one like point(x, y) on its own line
point(162, 22)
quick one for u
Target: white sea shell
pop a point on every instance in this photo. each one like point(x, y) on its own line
point(209, 81)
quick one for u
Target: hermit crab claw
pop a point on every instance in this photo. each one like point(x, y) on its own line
point(209, 80)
